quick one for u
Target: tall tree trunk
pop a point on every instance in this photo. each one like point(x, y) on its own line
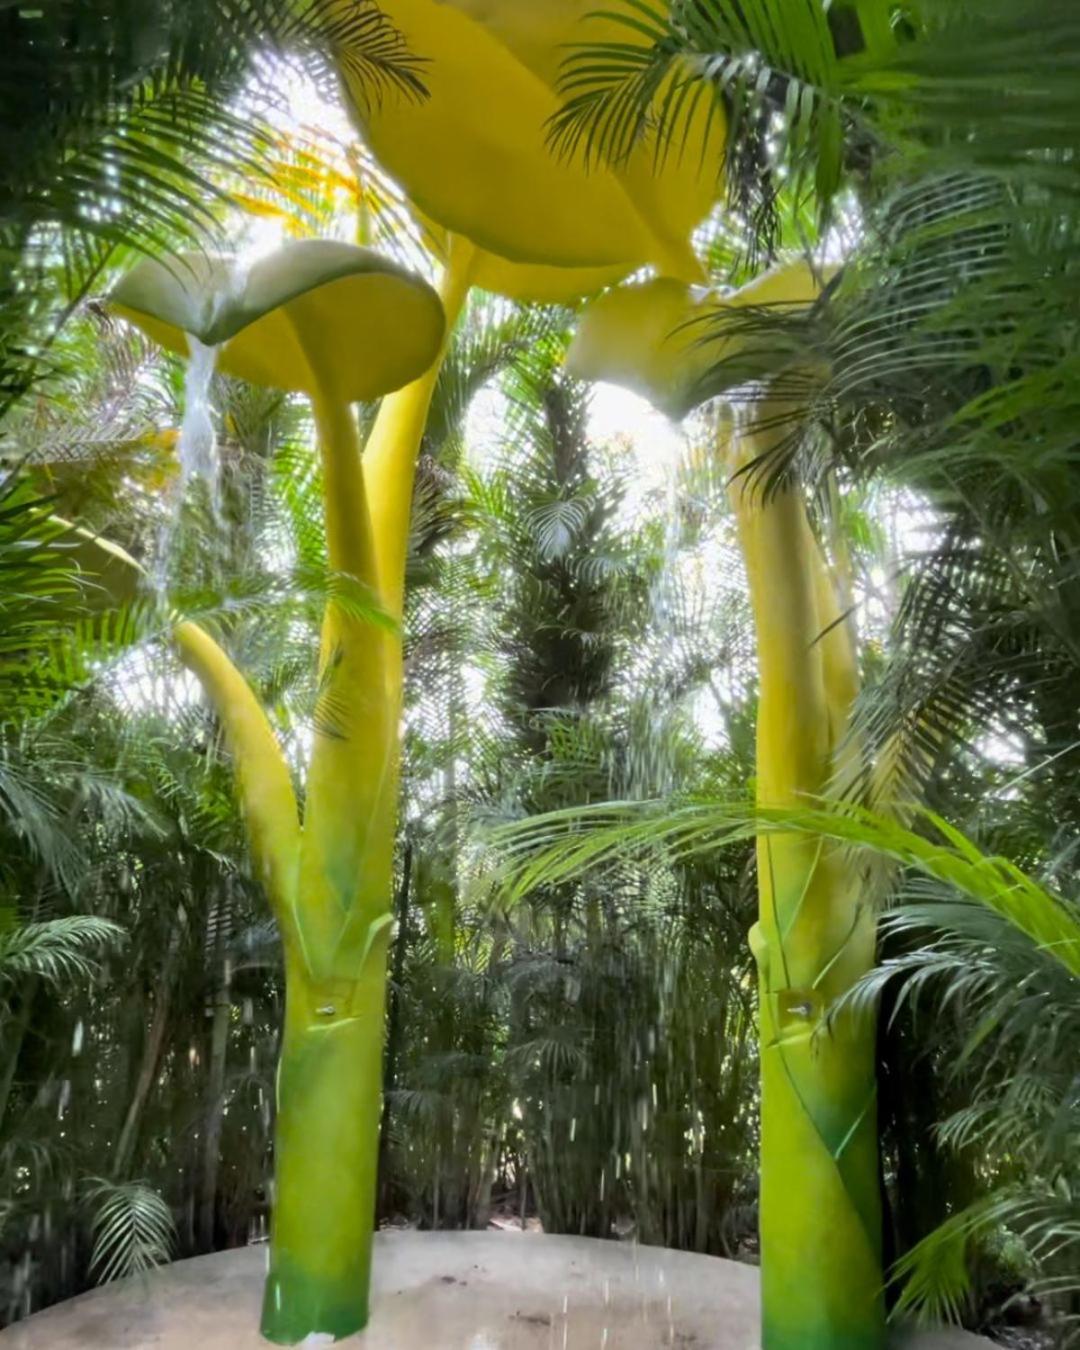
point(11, 1041)
point(393, 1023)
point(151, 1057)
point(820, 1208)
point(214, 1110)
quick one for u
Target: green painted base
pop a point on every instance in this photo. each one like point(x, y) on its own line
point(325, 1162)
point(295, 1306)
point(823, 1338)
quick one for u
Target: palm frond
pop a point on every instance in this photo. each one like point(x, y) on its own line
point(361, 42)
point(133, 1229)
point(133, 124)
point(58, 951)
point(564, 844)
point(935, 1276)
point(774, 66)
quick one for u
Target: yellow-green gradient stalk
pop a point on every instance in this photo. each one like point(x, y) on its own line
point(326, 1155)
point(330, 1075)
point(330, 1070)
point(820, 1202)
point(330, 880)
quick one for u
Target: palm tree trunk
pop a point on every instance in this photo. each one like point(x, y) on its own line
point(393, 1022)
point(214, 1112)
point(151, 1056)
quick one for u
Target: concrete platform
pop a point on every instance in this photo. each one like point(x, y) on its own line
point(447, 1291)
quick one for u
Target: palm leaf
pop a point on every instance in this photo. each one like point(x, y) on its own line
point(133, 1229)
point(776, 67)
point(58, 951)
point(564, 844)
point(133, 120)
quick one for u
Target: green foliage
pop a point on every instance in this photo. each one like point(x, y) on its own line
point(558, 658)
point(776, 69)
point(132, 117)
point(58, 951)
point(511, 1082)
point(133, 1229)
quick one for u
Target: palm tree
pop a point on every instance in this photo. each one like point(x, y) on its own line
point(108, 816)
point(574, 599)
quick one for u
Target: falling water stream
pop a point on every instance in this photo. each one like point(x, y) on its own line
point(665, 636)
point(198, 452)
point(198, 440)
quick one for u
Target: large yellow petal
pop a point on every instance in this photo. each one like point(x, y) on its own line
point(314, 316)
point(539, 32)
point(475, 155)
point(529, 283)
point(673, 192)
point(661, 338)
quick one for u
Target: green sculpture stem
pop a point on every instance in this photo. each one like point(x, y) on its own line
point(330, 881)
point(326, 1154)
point(820, 1212)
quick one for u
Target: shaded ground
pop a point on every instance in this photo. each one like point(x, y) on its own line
point(1025, 1339)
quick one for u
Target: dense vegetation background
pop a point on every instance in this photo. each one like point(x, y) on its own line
point(585, 1056)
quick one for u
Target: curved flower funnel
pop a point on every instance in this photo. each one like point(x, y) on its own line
point(340, 324)
point(475, 156)
point(316, 316)
point(670, 343)
point(819, 1210)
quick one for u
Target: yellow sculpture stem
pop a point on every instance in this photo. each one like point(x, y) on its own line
point(331, 1064)
point(346, 855)
point(266, 791)
point(391, 453)
point(331, 882)
point(820, 1208)
point(349, 540)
